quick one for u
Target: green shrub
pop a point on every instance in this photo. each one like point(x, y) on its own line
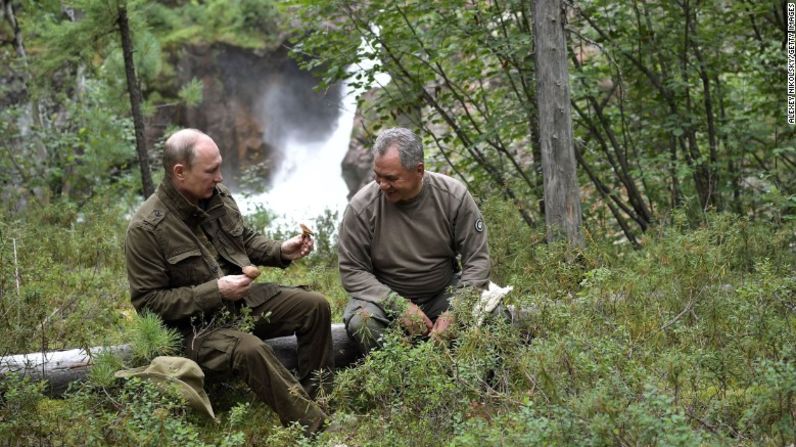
point(19, 408)
point(149, 338)
point(687, 341)
point(68, 265)
point(771, 415)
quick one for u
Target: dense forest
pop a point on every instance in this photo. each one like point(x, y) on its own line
point(633, 161)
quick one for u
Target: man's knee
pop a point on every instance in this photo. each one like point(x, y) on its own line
point(320, 303)
point(365, 329)
point(250, 351)
point(315, 302)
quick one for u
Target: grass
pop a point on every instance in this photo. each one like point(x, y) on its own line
point(688, 341)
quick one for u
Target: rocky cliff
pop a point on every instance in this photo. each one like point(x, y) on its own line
point(251, 102)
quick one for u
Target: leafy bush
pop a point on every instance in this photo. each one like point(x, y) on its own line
point(687, 341)
point(134, 412)
point(19, 399)
point(61, 263)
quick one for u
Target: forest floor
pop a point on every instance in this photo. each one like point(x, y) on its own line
point(686, 341)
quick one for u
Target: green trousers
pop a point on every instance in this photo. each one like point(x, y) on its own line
point(289, 311)
point(365, 322)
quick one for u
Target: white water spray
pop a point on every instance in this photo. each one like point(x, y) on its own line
point(309, 181)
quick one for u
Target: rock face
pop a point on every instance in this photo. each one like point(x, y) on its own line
point(357, 164)
point(368, 122)
point(251, 103)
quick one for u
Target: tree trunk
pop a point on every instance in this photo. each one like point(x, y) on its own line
point(60, 368)
point(713, 171)
point(561, 192)
point(135, 102)
point(11, 18)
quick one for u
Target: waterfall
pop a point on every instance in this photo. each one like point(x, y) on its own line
point(309, 181)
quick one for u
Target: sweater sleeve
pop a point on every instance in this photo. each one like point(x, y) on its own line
point(355, 263)
point(471, 243)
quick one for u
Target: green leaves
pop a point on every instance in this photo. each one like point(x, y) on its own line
point(464, 67)
point(149, 338)
point(191, 93)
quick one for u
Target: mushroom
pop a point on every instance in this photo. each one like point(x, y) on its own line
point(251, 271)
point(305, 231)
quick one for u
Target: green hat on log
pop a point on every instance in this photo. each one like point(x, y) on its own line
point(184, 373)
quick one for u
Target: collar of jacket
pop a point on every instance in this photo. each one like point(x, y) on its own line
point(185, 210)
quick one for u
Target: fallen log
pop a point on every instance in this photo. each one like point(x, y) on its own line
point(60, 368)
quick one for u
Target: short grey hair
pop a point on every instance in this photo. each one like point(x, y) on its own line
point(410, 148)
point(179, 148)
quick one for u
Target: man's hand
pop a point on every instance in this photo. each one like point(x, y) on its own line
point(297, 247)
point(415, 321)
point(234, 287)
point(441, 329)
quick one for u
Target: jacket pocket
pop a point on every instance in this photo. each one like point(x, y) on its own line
point(259, 294)
point(185, 267)
point(176, 259)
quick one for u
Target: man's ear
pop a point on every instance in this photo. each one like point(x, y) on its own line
point(420, 168)
point(179, 171)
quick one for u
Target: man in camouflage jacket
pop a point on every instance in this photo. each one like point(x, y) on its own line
point(186, 247)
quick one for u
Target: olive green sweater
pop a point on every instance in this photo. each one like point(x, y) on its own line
point(410, 248)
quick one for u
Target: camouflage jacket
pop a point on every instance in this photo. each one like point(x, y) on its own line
point(172, 273)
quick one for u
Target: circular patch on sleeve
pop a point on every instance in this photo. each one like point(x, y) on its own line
point(479, 225)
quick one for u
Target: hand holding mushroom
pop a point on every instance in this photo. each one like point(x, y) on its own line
point(298, 246)
point(234, 287)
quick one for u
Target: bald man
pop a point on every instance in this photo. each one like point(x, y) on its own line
point(186, 248)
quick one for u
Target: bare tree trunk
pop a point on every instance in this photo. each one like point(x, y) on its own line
point(703, 180)
point(11, 18)
point(712, 168)
point(561, 192)
point(135, 102)
point(733, 168)
point(536, 153)
point(676, 195)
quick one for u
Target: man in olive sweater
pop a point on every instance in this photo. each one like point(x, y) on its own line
point(398, 244)
point(186, 248)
